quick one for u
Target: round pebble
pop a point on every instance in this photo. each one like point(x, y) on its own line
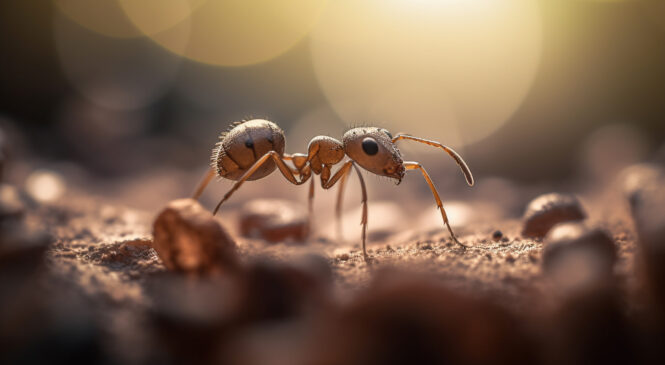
point(187, 238)
point(11, 204)
point(578, 257)
point(547, 210)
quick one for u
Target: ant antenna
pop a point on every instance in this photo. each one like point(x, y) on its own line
point(460, 162)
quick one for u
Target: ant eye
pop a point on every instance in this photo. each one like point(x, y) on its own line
point(370, 146)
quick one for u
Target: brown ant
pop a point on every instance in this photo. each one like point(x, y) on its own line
point(250, 150)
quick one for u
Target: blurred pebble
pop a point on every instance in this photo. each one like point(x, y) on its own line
point(576, 258)
point(11, 204)
point(189, 317)
point(634, 179)
point(408, 319)
point(22, 248)
point(45, 186)
point(4, 154)
point(274, 220)
point(497, 235)
point(648, 210)
point(273, 291)
point(187, 238)
point(591, 327)
point(547, 210)
point(44, 326)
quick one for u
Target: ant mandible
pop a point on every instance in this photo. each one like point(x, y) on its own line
point(250, 150)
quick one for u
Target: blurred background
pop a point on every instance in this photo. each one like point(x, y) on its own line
point(121, 95)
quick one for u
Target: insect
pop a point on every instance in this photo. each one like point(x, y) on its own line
point(251, 150)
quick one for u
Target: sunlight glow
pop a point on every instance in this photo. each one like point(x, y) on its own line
point(233, 32)
point(427, 69)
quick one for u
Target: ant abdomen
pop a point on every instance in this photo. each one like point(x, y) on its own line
point(243, 144)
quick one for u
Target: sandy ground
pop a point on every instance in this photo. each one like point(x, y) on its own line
point(105, 252)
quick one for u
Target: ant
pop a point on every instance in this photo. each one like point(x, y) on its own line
point(252, 149)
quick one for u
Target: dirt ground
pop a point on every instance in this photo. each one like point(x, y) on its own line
point(101, 254)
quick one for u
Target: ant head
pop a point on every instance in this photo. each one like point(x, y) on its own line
point(373, 149)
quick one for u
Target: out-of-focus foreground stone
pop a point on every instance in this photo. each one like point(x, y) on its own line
point(645, 189)
point(187, 238)
point(577, 257)
point(11, 205)
point(408, 319)
point(4, 153)
point(547, 210)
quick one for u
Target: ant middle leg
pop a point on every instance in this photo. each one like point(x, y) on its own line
point(341, 175)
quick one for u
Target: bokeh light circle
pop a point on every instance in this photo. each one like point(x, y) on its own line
point(108, 17)
point(117, 74)
point(234, 32)
point(455, 70)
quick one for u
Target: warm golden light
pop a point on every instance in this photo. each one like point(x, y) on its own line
point(233, 33)
point(455, 70)
point(105, 17)
point(108, 17)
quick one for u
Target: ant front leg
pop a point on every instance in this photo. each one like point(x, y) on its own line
point(341, 175)
point(411, 165)
point(338, 205)
point(283, 168)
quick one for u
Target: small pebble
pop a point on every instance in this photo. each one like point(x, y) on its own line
point(636, 178)
point(497, 235)
point(578, 257)
point(648, 210)
point(273, 290)
point(547, 210)
point(274, 220)
point(188, 318)
point(11, 204)
point(343, 257)
point(187, 238)
point(22, 247)
point(4, 153)
point(412, 319)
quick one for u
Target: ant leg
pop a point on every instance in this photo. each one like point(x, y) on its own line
point(342, 173)
point(207, 178)
point(363, 221)
point(338, 205)
point(460, 162)
point(310, 204)
point(411, 165)
point(283, 168)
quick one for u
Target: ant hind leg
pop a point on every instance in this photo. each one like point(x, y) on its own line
point(283, 168)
